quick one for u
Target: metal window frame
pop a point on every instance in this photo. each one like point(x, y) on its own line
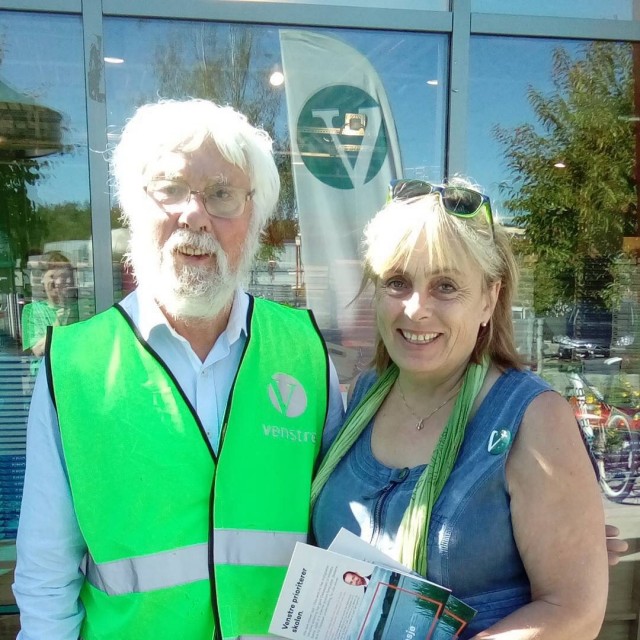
point(460, 23)
point(48, 6)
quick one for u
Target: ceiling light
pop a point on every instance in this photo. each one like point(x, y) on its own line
point(276, 79)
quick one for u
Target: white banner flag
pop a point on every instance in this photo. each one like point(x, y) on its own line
point(344, 152)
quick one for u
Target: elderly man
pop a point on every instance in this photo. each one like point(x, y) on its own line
point(172, 440)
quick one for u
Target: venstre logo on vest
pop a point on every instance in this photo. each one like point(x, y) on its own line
point(289, 398)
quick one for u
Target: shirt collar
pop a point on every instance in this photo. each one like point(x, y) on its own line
point(150, 317)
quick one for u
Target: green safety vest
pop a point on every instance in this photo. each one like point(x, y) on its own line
point(183, 543)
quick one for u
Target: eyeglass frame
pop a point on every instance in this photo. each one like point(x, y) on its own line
point(485, 201)
point(202, 193)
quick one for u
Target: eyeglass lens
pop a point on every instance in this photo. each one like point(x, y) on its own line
point(461, 201)
point(457, 200)
point(218, 200)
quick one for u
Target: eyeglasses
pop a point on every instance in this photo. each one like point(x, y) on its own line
point(458, 201)
point(219, 200)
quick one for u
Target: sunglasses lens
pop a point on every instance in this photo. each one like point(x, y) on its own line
point(405, 189)
point(461, 201)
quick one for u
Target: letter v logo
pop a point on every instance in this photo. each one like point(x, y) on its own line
point(342, 161)
point(357, 173)
point(287, 395)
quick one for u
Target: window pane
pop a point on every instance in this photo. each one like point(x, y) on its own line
point(431, 5)
point(356, 107)
point(553, 135)
point(46, 275)
point(610, 9)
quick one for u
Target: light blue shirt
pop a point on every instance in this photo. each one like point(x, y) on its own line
point(50, 546)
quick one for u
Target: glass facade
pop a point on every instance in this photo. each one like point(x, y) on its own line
point(547, 126)
point(608, 9)
point(46, 273)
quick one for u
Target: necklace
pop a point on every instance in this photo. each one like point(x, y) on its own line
point(422, 420)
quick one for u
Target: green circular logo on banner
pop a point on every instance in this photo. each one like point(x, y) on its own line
point(341, 136)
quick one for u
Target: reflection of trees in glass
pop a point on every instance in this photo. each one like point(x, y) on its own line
point(67, 221)
point(227, 64)
point(277, 231)
point(230, 64)
point(20, 221)
point(575, 216)
point(29, 132)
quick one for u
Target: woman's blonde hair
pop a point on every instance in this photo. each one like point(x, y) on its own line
point(404, 226)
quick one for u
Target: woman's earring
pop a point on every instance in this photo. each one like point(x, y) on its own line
point(483, 324)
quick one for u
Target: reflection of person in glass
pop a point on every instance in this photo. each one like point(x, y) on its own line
point(158, 500)
point(355, 579)
point(454, 459)
point(60, 306)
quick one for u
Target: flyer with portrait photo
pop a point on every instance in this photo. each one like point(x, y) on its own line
point(456, 615)
point(321, 593)
point(361, 594)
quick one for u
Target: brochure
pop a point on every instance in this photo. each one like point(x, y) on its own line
point(362, 594)
point(456, 615)
point(398, 606)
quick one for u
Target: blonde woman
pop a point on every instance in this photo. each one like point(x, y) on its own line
point(455, 459)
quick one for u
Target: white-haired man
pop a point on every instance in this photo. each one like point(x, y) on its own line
point(172, 440)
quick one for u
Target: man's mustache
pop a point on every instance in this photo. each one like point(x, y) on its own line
point(184, 238)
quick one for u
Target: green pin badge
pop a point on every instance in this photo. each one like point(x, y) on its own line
point(499, 441)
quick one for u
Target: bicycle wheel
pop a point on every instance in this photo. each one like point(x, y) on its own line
point(615, 456)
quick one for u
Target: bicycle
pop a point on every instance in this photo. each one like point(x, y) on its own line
point(612, 436)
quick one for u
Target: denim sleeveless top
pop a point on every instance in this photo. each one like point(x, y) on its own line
point(470, 546)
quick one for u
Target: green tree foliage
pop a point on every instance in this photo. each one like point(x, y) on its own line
point(575, 217)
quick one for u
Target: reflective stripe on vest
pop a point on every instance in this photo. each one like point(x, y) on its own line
point(147, 573)
point(257, 548)
point(190, 564)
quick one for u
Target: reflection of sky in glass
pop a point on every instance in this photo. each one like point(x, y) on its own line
point(43, 58)
point(404, 61)
point(613, 9)
point(49, 68)
point(501, 71)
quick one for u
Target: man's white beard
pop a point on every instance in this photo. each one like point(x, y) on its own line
point(188, 292)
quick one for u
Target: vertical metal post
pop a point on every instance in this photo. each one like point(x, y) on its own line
point(97, 144)
point(298, 268)
point(457, 143)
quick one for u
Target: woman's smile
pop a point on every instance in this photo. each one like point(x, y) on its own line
point(418, 338)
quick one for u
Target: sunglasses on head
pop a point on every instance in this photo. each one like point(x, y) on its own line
point(458, 201)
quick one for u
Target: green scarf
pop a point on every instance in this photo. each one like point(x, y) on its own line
point(415, 522)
